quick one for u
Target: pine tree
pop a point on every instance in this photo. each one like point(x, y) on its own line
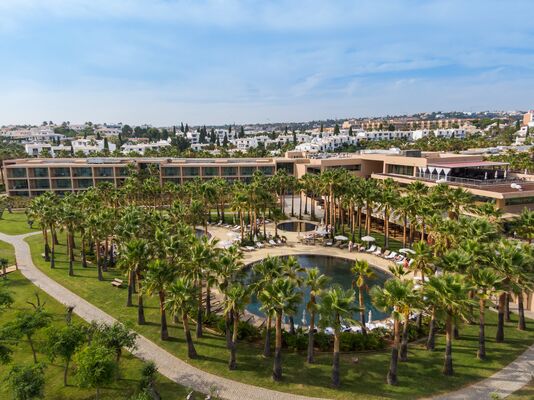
point(182, 127)
point(202, 136)
point(213, 137)
point(336, 129)
point(322, 129)
point(186, 128)
point(225, 140)
point(294, 137)
point(242, 132)
point(106, 144)
point(350, 131)
point(218, 143)
point(285, 130)
point(98, 137)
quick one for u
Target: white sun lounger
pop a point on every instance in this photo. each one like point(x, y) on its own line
point(378, 251)
point(371, 249)
point(391, 256)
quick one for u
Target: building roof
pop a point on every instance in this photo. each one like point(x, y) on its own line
point(467, 164)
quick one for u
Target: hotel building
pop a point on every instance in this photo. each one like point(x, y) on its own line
point(487, 181)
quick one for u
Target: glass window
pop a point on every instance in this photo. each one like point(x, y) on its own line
point(104, 171)
point(229, 171)
point(210, 171)
point(60, 172)
point(85, 171)
point(84, 183)
point(40, 184)
point(400, 169)
point(18, 184)
point(288, 167)
point(246, 171)
point(171, 171)
point(40, 172)
point(191, 171)
point(17, 172)
point(519, 200)
point(267, 170)
point(122, 171)
point(62, 183)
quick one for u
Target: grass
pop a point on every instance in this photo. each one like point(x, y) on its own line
point(420, 377)
point(7, 251)
point(15, 223)
point(526, 393)
point(130, 367)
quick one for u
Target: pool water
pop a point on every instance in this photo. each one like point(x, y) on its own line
point(338, 269)
point(296, 226)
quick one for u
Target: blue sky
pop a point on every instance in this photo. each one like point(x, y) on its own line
point(218, 62)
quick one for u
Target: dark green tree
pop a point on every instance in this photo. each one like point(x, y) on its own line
point(96, 367)
point(63, 343)
point(26, 381)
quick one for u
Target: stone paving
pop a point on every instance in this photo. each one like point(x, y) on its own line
point(504, 382)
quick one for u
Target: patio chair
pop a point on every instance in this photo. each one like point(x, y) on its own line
point(378, 251)
point(391, 256)
point(371, 249)
point(272, 243)
point(386, 253)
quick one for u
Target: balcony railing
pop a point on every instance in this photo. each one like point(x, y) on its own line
point(458, 180)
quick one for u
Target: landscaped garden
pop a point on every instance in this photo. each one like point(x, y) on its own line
point(125, 386)
point(16, 223)
point(159, 257)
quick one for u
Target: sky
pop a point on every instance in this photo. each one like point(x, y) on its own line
point(219, 62)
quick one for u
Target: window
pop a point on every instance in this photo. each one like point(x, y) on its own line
point(191, 171)
point(210, 171)
point(18, 184)
point(121, 171)
point(171, 171)
point(84, 183)
point(63, 184)
point(246, 171)
point(40, 172)
point(519, 200)
point(288, 167)
point(40, 184)
point(60, 172)
point(229, 171)
point(86, 171)
point(400, 169)
point(17, 172)
point(267, 170)
point(104, 171)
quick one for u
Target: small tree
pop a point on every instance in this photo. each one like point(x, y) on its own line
point(26, 324)
point(26, 381)
point(115, 337)
point(149, 375)
point(96, 367)
point(63, 343)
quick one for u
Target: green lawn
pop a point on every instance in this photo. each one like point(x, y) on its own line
point(526, 393)
point(420, 377)
point(22, 291)
point(15, 224)
point(7, 251)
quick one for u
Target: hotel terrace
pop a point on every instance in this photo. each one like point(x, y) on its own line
point(487, 181)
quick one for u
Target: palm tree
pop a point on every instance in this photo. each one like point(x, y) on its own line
point(389, 198)
point(361, 272)
point(336, 304)
point(236, 300)
point(316, 282)
point(487, 282)
point(524, 225)
point(201, 255)
point(395, 296)
point(282, 297)
point(160, 275)
point(450, 291)
point(422, 259)
point(292, 271)
point(181, 300)
point(133, 255)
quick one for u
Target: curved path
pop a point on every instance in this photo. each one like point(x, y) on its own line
point(504, 382)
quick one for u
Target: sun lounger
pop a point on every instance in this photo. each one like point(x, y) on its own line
point(250, 248)
point(378, 251)
point(372, 249)
point(272, 243)
point(386, 253)
point(391, 256)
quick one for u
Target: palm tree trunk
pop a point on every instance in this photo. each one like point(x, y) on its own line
point(403, 354)
point(291, 325)
point(228, 329)
point(164, 329)
point(130, 289)
point(208, 299)
point(53, 255)
point(335, 362)
point(140, 307)
point(507, 313)
point(392, 373)
point(98, 262)
point(521, 322)
point(277, 367)
point(456, 332)
point(300, 205)
point(362, 309)
point(267, 346)
point(499, 338)
point(481, 354)
point(47, 246)
point(447, 366)
point(70, 252)
point(431, 341)
point(191, 352)
point(309, 358)
point(199, 311)
point(404, 226)
point(84, 255)
point(232, 365)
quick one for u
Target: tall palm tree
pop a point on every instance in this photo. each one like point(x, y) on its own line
point(159, 276)
point(524, 225)
point(361, 272)
point(395, 296)
point(389, 198)
point(236, 300)
point(422, 259)
point(181, 301)
point(292, 271)
point(283, 298)
point(201, 255)
point(316, 282)
point(133, 255)
point(336, 305)
point(450, 291)
point(487, 282)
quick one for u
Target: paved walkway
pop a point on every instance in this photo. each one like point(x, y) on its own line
point(509, 379)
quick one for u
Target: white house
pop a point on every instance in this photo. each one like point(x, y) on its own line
point(142, 147)
point(35, 149)
point(88, 146)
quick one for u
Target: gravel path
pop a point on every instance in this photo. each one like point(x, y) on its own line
point(504, 382)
